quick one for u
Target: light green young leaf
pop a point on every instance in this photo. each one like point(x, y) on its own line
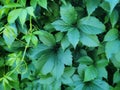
point(116, 77)
point(73, 36)
point(30, 11)
point(34, 40)
point(91, 25)
point(112, 4)
point(12, 5)
point(85, 60)
point(111, 35)
point(68, 13)
point(23, 16)
point(47, 38)
point(13, 15)
point(112, 48)
point(9, 35)
point(46, 80)
point(60, 25)
point(92, 5)
point(89, 40)
point(65, 56)
point(43, 3)
point(90, 73)
point(114, 18)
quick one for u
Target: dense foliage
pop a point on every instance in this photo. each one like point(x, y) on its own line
point(59, 45)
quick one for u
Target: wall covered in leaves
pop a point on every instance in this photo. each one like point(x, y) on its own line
point(59, 45)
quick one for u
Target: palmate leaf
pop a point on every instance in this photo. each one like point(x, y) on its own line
point(91, 25)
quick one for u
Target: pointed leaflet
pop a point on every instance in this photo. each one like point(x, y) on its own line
point(111, 48)
point(60, 25)
point(111, 35)
point(89, 40)
point(114, 18)
point(92, 5)
point(43, 3)
point(65, 43)
point(112, 4)
point(68, 13)
point(9, 35)
point(47, 38)
point(65, 56)
point(73, 36)
point(23, 16)
point(30, 11)
point(13, 15)
point(90, 73)
point(91, 25)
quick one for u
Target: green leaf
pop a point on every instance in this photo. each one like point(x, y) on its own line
point(34, 40)
point(112, 48)
point(23, 16)
point(47, 38)
point(92, 5)
point(65, 43)
point(60, 25)
point(102, 63)
point(91, 25)
point(59, 36)
point(13, 15)
point(12, 5)
point(48, 66)
point(102, 72)
point(43, 3)
point(69, 71)
point(46, 79)
point(90, 73)
point(89, 40)
point(65, 56)
point(58, 66)
point(114, 18)
point(30, 11)
point(73, 36)
point(9, 35)
point(35, 52)
point(116, 77)
point(112, 4)
point(85, 60)
point(111, 35)
point(97, 85)
point(67, 11)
